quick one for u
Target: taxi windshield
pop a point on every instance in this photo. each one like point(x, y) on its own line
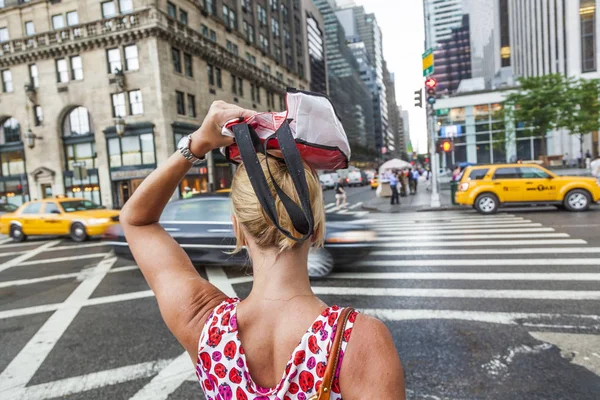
point(79, 205)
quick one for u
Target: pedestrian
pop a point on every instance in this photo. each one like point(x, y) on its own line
point(281, 318)
point(456, 173)
point(411, 183)
point(588, 159)
point(416, 175)
point(428, 178)
point(579, 159)
point(340, 194)
point(595, 166)
point(565, 159)
point(394, 188)
point(187, 193)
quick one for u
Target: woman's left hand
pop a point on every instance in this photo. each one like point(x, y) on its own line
point(208, 136)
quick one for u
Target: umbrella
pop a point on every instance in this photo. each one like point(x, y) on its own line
point(394, 163)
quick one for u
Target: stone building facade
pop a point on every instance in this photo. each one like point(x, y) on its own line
point(72, 70)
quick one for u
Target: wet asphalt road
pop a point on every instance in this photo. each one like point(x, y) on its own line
point(518, 318)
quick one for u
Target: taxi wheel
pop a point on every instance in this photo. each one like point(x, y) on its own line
point(487, 203)
point(320, 263)
point(78, 233)
point(16, 234)
point(577, 200)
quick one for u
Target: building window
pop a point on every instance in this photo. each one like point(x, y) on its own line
point(248, 32)
point(114, 60)
point(132, 62)
point(233, 84)
point(34, 76)
point(277, 52)
point(29, 28)
point(125, 6)
point(250, 58)
point(229, 17)
point(76, 68)
point(4, 35)
point(281, 103)
point(187, 62)
point(213, 36)
point(77, 122)
point(58, 22)
point(247, 5)
point(108, 9)
point(219, 78)
point(587, 17)
point(183, 16)
point(262, 15)
point(287, 38)
point(279, 76)
point(131, 150)
point(233, 48)
point(176, 54)
point(284, 12)
point(62, 71)
point(191, 105)
point(267, 68)
point(270, 99)
point(258, 94)
point(72, 18)
point(210, 70)
point(275, 28)
point(39, 115)
point(300, 69)
point(135, 102)
point(11, 131)
point(81, 153)
point(180, 97)
point(263, 42)
point(273, 4)
point(241, 87)
point(7, 83)
point(253, 92)
point(209, 6)
point(172, 10)
point(118, 104)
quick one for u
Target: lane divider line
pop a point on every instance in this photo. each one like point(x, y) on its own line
point(32, 253)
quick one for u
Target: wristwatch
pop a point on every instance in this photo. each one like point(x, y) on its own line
point(184, 148)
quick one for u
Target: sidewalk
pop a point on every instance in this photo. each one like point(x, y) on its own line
point(418, 202)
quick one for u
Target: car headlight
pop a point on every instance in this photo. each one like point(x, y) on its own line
point(463, 187)
point(352, 236)
point(98, 221)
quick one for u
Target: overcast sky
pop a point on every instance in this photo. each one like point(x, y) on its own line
point(402, 25)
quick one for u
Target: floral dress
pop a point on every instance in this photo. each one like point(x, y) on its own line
point(222, 368)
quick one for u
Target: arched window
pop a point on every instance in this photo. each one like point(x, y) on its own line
point(10, 131)
point(77, 122)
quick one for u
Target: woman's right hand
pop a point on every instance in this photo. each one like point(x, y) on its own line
point(208, 136)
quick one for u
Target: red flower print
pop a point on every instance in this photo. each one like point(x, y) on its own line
point(220, 370)
point(208, 385)
point(325, 312)
point(352, 316)
point(318, 385)
point(316, 327)
point(335, 308)
point(293, 389)
point(287, 398)
point(214, 336)
point(321, 369)
point(230, 350)
point(312, 345)
point(332, 318)
point(287, 368)
point(235, 376)
point(299, 357)
point(225, 319)
point(221, 308)
point(335, 385)
point(205, 358)
point(347, 333)
point(240, 395)
point(307, 381)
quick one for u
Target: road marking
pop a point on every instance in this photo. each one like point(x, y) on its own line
point(62, 259)
point(218, 277)
point(24, 366)
point(425, 238)
point(122, 269)
point(83, 383)
point(31, 253)
point(80, 246)
point(461, 226)
point(461, 293)
point(476, 316)
point(360, 203)
point(469, 243)
point(462, 252)
point(5, 240)
point(167, 380)
point(13, 253)
point(446, 219)
point(417, 231)
point(27, 243)
point(330, 205)
point(463, 276)
point(479, 262)
point(500, 224)
point(416, 222)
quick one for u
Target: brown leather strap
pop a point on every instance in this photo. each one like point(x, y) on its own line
point(334, 354)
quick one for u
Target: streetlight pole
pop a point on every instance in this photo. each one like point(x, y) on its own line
point(435, 196)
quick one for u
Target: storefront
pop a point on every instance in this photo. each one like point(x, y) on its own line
point(131, 157)
point(13, 178)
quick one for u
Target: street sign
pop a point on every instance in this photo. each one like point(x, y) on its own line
point(428, 62)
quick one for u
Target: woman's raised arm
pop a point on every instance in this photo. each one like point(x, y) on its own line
point(184, 297)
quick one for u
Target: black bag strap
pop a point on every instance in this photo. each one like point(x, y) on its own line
point(302, 218)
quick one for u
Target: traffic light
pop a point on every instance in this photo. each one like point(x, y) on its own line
point(430, 85)
point(445, 145)
point(419, 98)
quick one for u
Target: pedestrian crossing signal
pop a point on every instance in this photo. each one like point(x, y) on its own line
point(445, 146)
point(430, 85)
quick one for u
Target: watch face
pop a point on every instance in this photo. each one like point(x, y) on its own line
point(184, 143)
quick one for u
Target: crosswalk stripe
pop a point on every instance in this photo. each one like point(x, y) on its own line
point(466, 276)
point(417, 231)
point(518, 224)
point(425, 238)
point(401, 218)
point(360, 203)
point(487, 262)
point(443, 223)
point(461, 293)
point(330, 205)
point(62, 259)
point(470, 243)
point(393, 225)
point(463, 252)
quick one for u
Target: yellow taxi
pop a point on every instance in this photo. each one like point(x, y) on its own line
point(78, 218)
point(487, 187)
point(374, 182)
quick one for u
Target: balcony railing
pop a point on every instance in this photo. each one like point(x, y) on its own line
point(149, 21)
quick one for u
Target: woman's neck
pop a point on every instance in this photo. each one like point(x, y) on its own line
point(279, 276)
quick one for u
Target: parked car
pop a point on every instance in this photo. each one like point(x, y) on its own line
point(355, 178)
point(328, 180)
point(488, 187)
point(202, 226)
point(8, 208)
point(78, 218)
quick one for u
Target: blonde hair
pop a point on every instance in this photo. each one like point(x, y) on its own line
point(250, 214)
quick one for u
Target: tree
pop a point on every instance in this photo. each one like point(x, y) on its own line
point(582, 116)
point(541, 103)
